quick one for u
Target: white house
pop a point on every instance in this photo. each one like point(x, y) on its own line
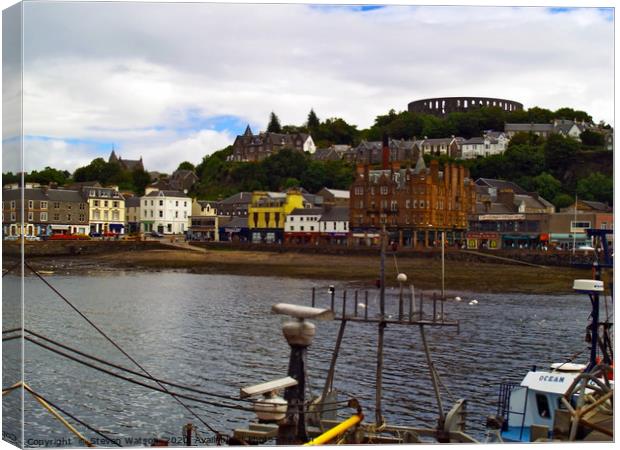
point(302, 225)
point(167, 212)
point(492, 143)
point(334, 225)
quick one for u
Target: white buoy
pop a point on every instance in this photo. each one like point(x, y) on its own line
point(401, 278)
point(361, 305)
point(457, 298)
point(473, 302)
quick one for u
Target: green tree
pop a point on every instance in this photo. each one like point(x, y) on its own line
point(274, 124)
point(140, 179)
point(560, 153)
point(547, 186)
point(592, 138)
point(571, 114)
point(291, 183)
point(186, 165)
point(563, 200)
point(48, 175)
point(313, 121)
point(10, 177)
point(91, 172)
point(597, 187)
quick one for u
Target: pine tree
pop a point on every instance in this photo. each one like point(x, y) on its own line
point(313, 121)
point(274, 124)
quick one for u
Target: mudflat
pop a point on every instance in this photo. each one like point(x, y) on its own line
point(425, 273)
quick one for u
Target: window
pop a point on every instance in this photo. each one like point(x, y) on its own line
point(96, 215)
point(384, 190)
point(359, 190)
point(542, 405)
point(30, 216)
point(115, 215)
point(30, 204)
point(96, 203)
point(184, 203)
point(43, 217)
point(68, 217)
point(579, 225)
point(151, 202)
point(292, 228)
point(43, 205)
point(56, 216)
point(421, 203)
point(176, 214)
point(115, 203)
point(69, 206)
point(146, 202)
point(82, 218)
point(301, 219)
point(311, 228)
point(161, 214)
point(82, 206)
point(161, 203)
point(105, 204)
point(185, 214)
point(301, 228)
point(106, 215)
point(176, 203)
point(56, 205)
point(407, 203)
point(151, 213)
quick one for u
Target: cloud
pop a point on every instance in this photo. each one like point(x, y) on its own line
point(157, 78)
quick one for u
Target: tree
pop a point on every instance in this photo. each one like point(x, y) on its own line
point(563, 200)
point(313, 121)
point(91, 172)
point(140, 179)
point(274, 124)
point(596, 186)
point(49, 175)
point(186, 165)
point(560, 153)
point(547, 186)
point(592, 138)
point(571, 114)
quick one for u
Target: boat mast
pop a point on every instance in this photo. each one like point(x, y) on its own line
point(381, 332)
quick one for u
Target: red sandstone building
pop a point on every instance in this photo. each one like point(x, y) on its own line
point(414, 204)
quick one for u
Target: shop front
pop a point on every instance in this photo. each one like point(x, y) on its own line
point(520, 241)
point(568, 241)
point(477, 240)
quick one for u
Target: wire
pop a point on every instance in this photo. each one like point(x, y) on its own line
point(11, 330)
point(10, 338)
point(91, 323)
point(81, 422)
point(170, 383)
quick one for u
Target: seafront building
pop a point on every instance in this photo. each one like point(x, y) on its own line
point(165, 212)
point(106, 209)
point(46, 211)
point(414, 205)
point(256, 147)
point(267, 213)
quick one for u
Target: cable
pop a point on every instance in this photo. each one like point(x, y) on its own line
point(94, 430)
point(213, 430)
point(10, 338)
point(11, 330)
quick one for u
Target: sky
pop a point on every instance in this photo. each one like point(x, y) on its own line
point(171, 82)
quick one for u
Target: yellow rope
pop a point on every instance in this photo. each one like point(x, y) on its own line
point(12, 388)
point(58, 416)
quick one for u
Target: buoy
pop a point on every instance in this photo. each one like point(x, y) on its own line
point(457, 298)
point(361, 305)
point(473, 302)
point(401, 278)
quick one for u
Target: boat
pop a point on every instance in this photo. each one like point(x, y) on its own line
point(295, 420)
point(568, 401)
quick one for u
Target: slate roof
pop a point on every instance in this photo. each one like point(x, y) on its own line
point(61, 195)
point(526, 127)
point(237, 222)
point(306, 212)
point(132, 202)
point(239, 197)
point(599, 206)
point(335, 214)
point(338, 193)
point(495, 208)
point(166, 193)
point(501, 184)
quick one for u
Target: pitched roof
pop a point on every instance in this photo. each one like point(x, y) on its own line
point(306, 212)
point(237, 222)
point(132, 202)
point(239, 197)
point(599, 206)
point(338, 193)
point(166, 193)
point(335, 214)
point(500, 184)
point(525, 127)
point(61, 195)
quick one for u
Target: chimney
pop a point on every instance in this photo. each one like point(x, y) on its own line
point(506, 197)
point(385, 152)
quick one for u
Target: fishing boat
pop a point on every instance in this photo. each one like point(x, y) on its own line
point(294, 419)
point(568, 401)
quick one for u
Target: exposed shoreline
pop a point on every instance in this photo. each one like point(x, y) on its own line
point(425, 273)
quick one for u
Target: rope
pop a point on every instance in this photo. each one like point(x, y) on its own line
point(148, 386)
point(118, 347)
point(84, 424)
point(170, 383)
point(10, 338)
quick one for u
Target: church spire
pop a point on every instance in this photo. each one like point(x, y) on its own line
point(248, 131)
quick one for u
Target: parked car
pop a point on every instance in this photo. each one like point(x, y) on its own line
point(32, 238)
point(156, 234)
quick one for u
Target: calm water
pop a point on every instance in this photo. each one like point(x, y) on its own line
point(215, 332)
